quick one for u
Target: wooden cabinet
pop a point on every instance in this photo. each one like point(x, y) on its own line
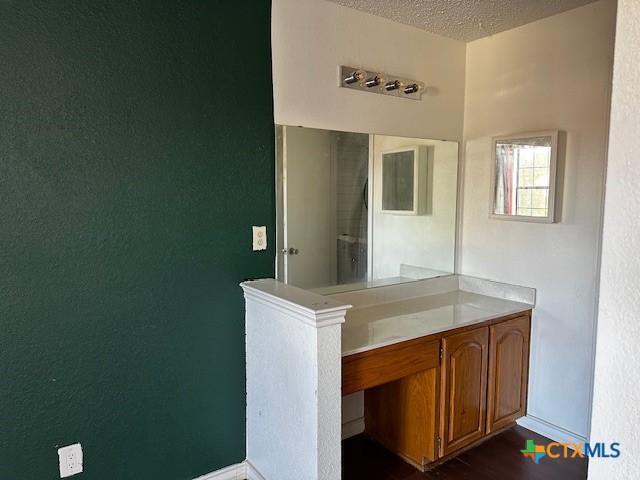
point(402, 415)
point(428, 398)
point(508, 372)
point(401, 385)
point(464, 392)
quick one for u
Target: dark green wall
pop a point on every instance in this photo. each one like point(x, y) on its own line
point(136, 151)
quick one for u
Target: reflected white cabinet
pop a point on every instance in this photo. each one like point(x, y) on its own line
point(404, 180)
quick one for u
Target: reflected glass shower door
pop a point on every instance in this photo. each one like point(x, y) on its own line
point(352, 167)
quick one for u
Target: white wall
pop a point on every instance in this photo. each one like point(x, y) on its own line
point(426, 240)
point(616, 409)
point(311, 38)
point(554, 73)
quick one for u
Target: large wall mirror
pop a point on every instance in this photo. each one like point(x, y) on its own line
point(359, 210)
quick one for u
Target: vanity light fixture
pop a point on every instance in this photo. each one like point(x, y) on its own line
point(378, 82)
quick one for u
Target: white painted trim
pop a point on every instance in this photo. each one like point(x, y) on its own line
point(457, 253)
point(555, 433)
point(553, 171)
point(308, 307)
point(232, 472)
point(370, 180)
point(352, 428)
point(252, 472)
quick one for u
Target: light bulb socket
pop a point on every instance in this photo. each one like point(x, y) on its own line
point(391, 86)
point(412, 88)
point(355, 77)
point(372, 82)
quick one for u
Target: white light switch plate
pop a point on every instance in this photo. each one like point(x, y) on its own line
point(70, 460)
point(259, 238)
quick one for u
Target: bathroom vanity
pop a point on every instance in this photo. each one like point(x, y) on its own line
point(463, 378)
point(443, 364)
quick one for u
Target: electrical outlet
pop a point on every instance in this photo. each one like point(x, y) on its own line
point(70, 460)
point(259, 238)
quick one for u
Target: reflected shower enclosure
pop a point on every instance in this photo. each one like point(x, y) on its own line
point(352, 204)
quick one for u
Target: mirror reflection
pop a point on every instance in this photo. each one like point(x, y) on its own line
point(524, 174)
point(357, 210)
point(403, 174)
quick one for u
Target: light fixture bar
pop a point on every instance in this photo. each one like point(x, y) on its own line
point(377, 82)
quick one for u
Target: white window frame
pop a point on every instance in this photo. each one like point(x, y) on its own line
point(553, 166)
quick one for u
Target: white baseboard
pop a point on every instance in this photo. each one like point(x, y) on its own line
point(555, 433)
point(252, 472)
point(232, 472)
point(239, 471)
point(352, 428)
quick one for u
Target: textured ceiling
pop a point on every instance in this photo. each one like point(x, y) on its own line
point(464, 20)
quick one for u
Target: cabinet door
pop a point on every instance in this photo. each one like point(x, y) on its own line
point(464, 375)
point(508, 372)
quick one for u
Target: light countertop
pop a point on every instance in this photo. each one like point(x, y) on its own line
point(374, 326)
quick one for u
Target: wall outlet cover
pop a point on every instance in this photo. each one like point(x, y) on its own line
point(259, 238)
point(70, 460)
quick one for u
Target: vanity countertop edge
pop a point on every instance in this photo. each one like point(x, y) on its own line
point(443, 308)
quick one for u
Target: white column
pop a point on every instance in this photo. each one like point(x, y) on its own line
point(616, 410)
point(293, 382)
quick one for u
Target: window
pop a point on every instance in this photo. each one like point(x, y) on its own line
point(524, 177)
